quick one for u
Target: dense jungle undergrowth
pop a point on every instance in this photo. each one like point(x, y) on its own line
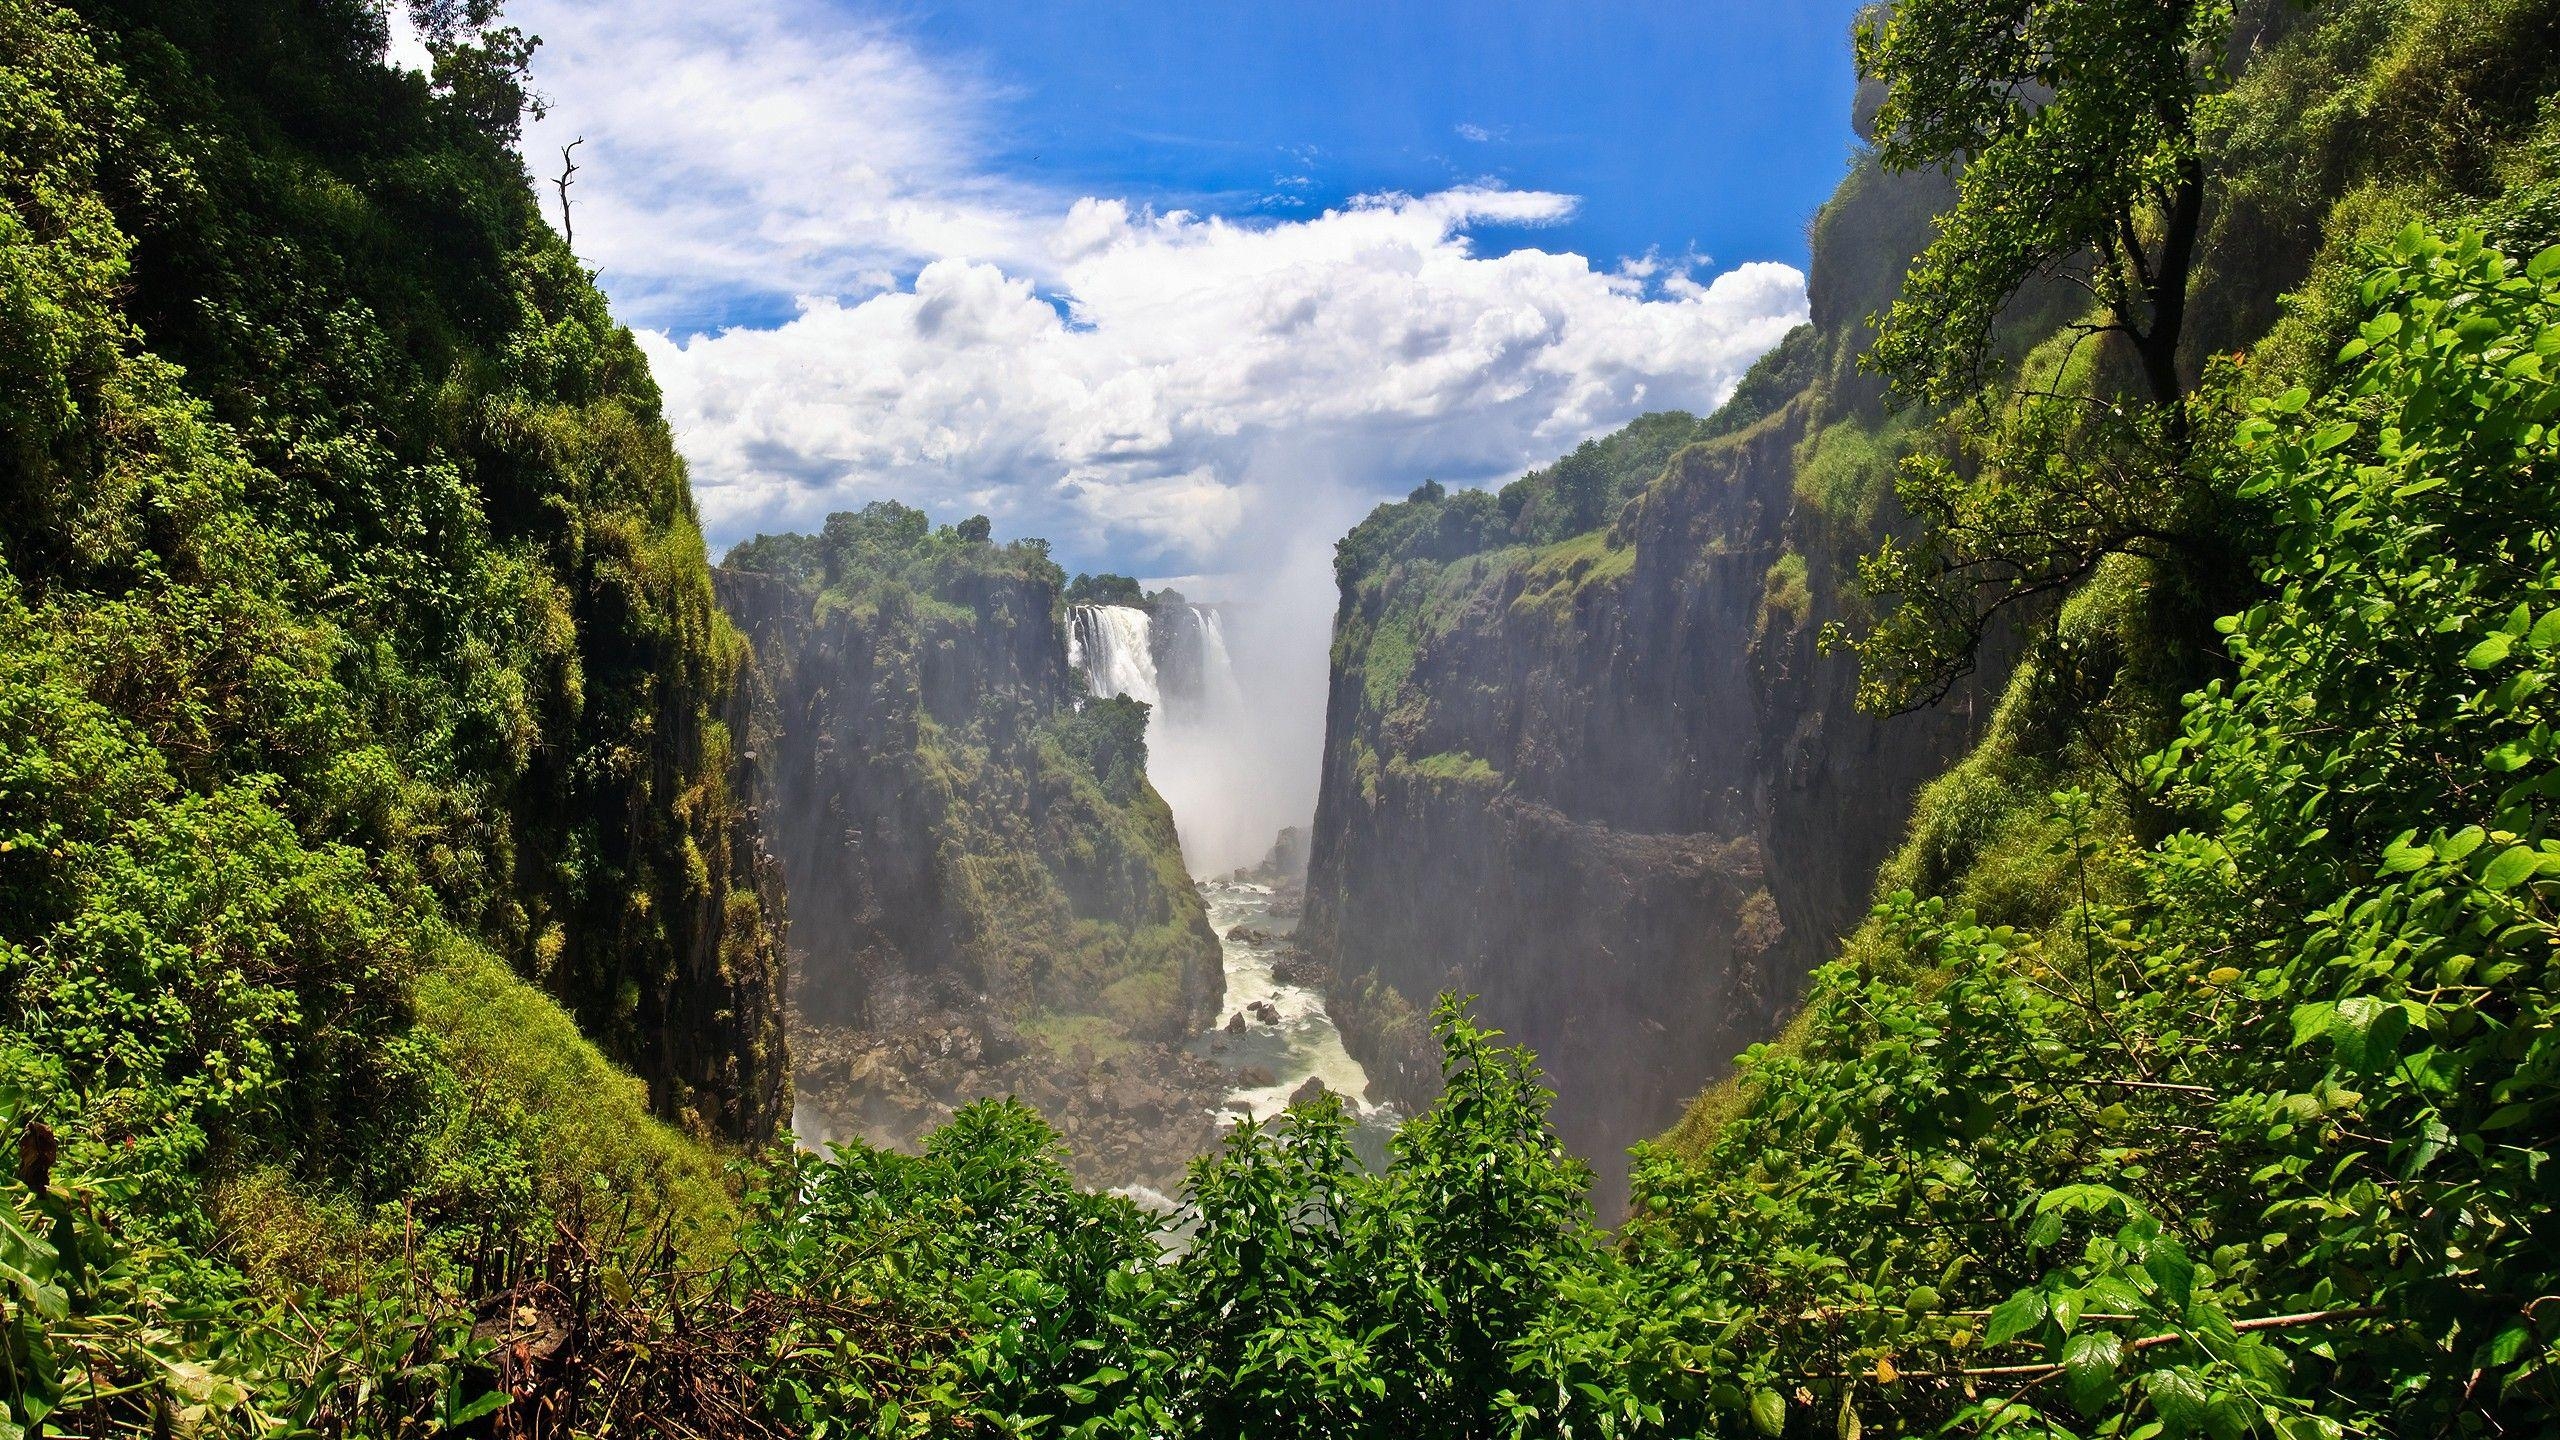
point(365, 826)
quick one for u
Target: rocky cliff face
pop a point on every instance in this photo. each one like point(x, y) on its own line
point(1606, 783)
point(983, 885)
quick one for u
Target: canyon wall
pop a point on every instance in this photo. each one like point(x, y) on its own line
point(1600, 775)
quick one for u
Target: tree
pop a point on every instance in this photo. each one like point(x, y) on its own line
point(2074, 122)
point(482, 68)
point(2072, 126)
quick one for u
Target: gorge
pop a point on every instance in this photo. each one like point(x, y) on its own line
point(2000, 878)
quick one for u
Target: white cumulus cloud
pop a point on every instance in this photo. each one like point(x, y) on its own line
point(1195, 371)
point(1147, 388)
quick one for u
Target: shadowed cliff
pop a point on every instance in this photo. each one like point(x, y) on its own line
point(1583, 758)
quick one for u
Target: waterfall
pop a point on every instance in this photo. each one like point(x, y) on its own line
point(1176, 660)
point(1180, 666)
point(1193, 670)
point(1220, 694)
point(1116, 646)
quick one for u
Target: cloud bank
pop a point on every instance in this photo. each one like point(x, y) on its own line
point(1187, 373)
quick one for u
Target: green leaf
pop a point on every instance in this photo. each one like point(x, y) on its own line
point(2171, 1270)
point(2016, 1316)
point(2085, 1199)
point(489, 1404)
point(2366, 1031)
point(2511, 869)
point(2400, 856)
point(2311, 1020)
point(2544, 265)
point(2177, 1399)
point(2089, 1364)
point(2546, 631)
point(1768, 1412)
point(2492, 650)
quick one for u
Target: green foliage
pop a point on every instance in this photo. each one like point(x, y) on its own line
point(1773, 380)
point(1580, 492)
point(357, 667)
point(1105, 590)
point(1309, 1296)
point(1108, 736)
point(2075, 127)
point(2024, 503)
point(1847, 469)
point(983, 1245)
point(1785, 597)
point(1453, 766)
point(2247, 1131)
point(2067, 447)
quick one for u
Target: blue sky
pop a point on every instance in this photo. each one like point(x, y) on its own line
point(1181, 288)
point(1713, 126)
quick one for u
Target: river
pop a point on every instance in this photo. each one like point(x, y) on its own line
point(1303, 1042)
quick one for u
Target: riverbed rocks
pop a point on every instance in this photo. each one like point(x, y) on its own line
point(1136, 1115)
point(1263, 1012)
point(1296, 967)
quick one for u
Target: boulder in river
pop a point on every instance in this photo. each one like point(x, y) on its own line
point(1297, 967)
point(1256, 1077)
point(1313, 1090)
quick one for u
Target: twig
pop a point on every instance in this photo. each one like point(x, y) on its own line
point(2152, 1342)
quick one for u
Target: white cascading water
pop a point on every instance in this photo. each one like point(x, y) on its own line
point(1197, 708)
point(1220, 694)
point(1116, 646)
